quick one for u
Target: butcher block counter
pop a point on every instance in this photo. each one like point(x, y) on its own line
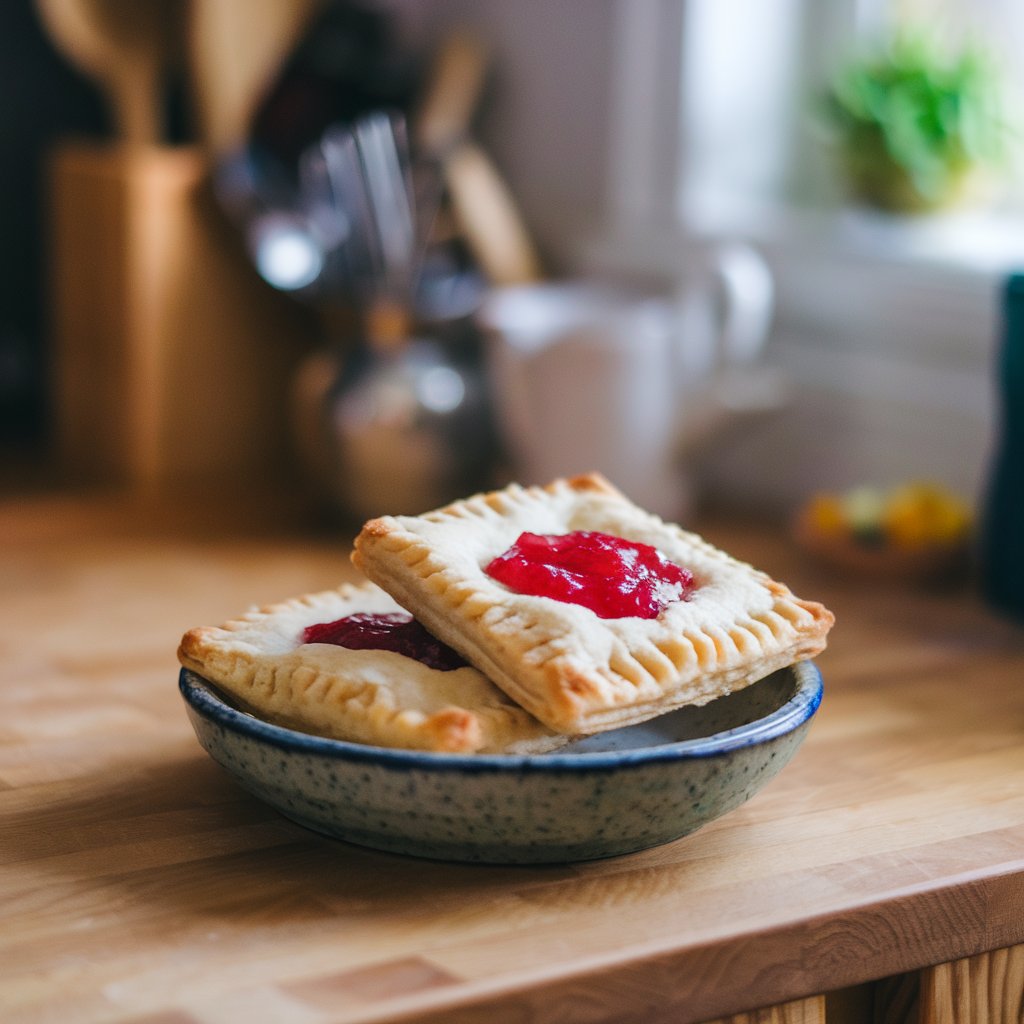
point(880, 876)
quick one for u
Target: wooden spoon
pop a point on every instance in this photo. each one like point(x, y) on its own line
point(125, 46)
point(236, 47)
point(481, 203)
point(446, 110)
point(488, 218)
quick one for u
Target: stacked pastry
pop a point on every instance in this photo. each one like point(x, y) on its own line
point(512, 622)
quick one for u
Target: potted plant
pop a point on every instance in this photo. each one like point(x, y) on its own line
point(917, 128)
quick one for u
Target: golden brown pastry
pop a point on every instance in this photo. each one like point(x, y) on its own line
point(377, 697)
point(574, 669)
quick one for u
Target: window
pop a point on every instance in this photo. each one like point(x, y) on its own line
point(721, 131)
point(887, 324)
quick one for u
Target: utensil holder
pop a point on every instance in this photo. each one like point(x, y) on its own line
point(170, 357)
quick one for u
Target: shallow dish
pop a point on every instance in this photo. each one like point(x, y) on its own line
point(606, 795)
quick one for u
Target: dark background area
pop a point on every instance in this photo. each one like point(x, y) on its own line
point(348, 62)
point(44, 99)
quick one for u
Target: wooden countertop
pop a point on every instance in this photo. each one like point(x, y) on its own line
point(139, 883)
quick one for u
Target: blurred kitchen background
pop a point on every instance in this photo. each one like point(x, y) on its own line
point(382, 254)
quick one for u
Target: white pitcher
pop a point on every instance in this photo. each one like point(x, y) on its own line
point(591, 377)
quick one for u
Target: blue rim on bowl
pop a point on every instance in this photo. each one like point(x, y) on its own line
point(652, 784)
point(203, 697)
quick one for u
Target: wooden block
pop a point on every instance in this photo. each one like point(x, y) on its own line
point(983, 989)
point(171, 358)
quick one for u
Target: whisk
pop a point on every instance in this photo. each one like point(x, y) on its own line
point(352, 223)
point(396, 419)
point(370, 208)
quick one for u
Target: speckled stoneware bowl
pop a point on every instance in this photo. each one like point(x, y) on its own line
point(610, 794)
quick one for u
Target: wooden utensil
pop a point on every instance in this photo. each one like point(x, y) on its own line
point(488, 217)
point(235, 47)
point(481, 202)
point(452, 95)
point(125, 45)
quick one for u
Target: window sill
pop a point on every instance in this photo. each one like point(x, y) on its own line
point(885, 326)
point(985, 244)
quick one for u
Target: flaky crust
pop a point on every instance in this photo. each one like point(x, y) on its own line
point(375, 697)
point(574, 671)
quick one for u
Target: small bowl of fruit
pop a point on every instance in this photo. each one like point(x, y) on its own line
point(917, 531)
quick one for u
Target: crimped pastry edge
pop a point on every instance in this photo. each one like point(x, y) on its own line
point(279, 689)
point(563, 693)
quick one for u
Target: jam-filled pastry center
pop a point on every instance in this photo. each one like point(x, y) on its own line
point(392, 631)
point(613, 577)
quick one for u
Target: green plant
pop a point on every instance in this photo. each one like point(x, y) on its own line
point(914, 122)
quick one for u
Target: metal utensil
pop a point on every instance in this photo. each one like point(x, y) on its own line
point(390, 203)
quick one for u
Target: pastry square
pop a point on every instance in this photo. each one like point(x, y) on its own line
point(377, 697)
point(574, 671)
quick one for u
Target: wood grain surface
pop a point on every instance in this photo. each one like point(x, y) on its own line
point(983, 989)
point(140, 885)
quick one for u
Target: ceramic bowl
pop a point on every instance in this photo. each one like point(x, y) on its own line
point(606, 795)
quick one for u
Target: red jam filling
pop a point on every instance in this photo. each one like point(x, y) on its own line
point(395, 631)
point(614, 578)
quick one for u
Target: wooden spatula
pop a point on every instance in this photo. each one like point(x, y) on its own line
point(125, 46)
point(488, 217)
point(481, 202)
point(235, 47)
point(445, 112)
